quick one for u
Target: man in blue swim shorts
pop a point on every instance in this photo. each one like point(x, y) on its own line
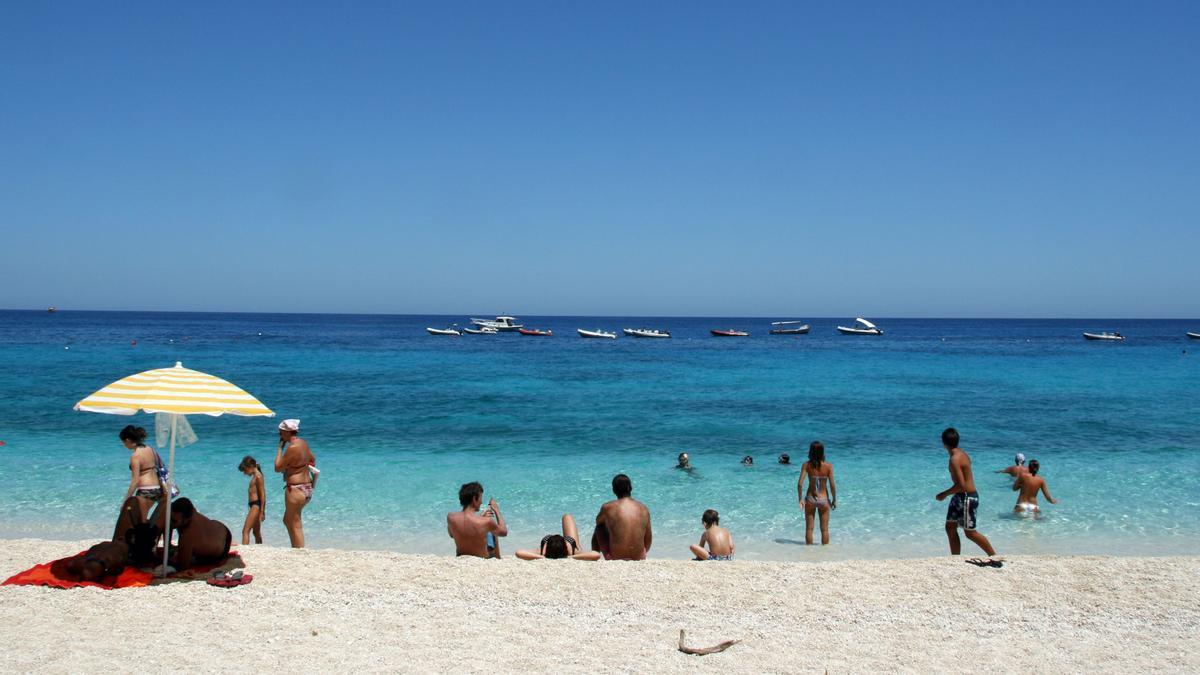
point(964, 503)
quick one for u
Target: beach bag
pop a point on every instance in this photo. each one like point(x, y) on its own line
point(164, 476)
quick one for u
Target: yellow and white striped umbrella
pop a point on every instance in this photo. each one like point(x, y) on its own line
point(177, 390)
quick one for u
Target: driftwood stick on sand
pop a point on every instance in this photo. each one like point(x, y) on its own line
point(704, 650)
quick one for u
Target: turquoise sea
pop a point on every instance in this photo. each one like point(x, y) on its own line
point(398, 419)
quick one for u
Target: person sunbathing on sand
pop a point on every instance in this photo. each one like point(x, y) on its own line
point(623, 525)
point(474, 533)
point(1029, 484)
point(717, 538)
point(565, 545)
point(202, 540)
point(108, 558)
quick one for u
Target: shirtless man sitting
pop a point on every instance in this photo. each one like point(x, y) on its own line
point(474, 533)
point(623, 525)
point(1029, 484)
point(202, 540)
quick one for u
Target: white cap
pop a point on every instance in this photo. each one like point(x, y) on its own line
point(1020, 455)
point(289, 425)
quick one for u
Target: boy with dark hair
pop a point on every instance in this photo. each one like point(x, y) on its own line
point(474, 533)
point(964, 503)
point(717, 538)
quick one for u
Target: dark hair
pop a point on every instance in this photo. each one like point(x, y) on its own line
point(555, 547)
point(711, 517)
point(135, 434)
point(747, 460)
point(622, 486)
point(1033, 467)
point(785, 458)
point(247, 462)
point(468, 492)
point(184, 507)
point(816, 454)
point(950, 438)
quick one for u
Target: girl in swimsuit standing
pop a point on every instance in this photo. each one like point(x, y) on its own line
point(257, 500)
point(298, 465)
point(143, 468)
point(821, 496)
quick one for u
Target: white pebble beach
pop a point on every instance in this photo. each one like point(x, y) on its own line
point(331, 610)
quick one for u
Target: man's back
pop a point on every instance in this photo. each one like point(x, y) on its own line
point(469, 531)
point(962, 461)
point(628, 523)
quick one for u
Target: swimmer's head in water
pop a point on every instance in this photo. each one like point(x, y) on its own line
point(1034, 466)
point(684, 459)
point(1020, 459)
point(950, 438)
point(711, 517)
point(785, 458)
point(556, 547)
point(622, 486)
point(469, 492)
point(747, 460)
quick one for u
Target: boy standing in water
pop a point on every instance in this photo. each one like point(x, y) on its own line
point(964, 503)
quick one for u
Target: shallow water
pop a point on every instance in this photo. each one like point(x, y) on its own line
point(398, 419)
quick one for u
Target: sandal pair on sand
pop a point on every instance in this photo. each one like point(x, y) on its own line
point(229, 580)
point(988, 562)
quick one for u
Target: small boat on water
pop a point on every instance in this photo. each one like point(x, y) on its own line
point(504, 324)
point(51, 310)
point(596, 334)
point(729, 333)
point(1112, 337)
point(646, 333)
point(789, 328)
point(1194, 336)
point(452, 330)
point(861, 327)
point(486, 330)
point(534, 331)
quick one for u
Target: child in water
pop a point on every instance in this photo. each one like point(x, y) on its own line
point(716, 538)
point(257, 500)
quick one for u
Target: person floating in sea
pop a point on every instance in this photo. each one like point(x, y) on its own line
point(202, 540)
point(256, 501)
point(821, 496)
point(1029, 484)
point(747, 461)
point(964, 503)
point(785, 458)
point(623, 525)
point(475, 533)
point(684, 462)
point(556, 546)
point(717, 539)
point(1018, 468)
point(145, 482)
point(295, 460)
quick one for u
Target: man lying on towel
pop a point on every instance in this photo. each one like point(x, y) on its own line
point(202, 540)
point(108, 558)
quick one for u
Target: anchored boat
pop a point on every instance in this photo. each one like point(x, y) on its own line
point(789, 328)
point(453, 330)
point(504, 324)
point(534, 331)
point(596, 334)
point(728, 333)
point(861, 327)
point(1112, 337)
point(646, 333)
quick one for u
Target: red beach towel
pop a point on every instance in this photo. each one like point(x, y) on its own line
point(55, 575)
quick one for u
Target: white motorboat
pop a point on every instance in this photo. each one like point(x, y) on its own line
point(861, 327)
point(443, 331)
point(486, 330)
point(789, 328)
point(1194, 336)
point(1112, 337)
point(596, 334)
point(646, 333)
point(504, 324)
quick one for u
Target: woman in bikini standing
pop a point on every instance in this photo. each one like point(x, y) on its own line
point(821, 497)
point(298, 465)
point(143, 468)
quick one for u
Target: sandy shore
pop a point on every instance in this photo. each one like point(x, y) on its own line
point(326, 609)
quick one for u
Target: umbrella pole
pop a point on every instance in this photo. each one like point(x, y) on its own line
point(167, 495)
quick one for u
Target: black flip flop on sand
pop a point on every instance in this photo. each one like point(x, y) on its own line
point(980, 562)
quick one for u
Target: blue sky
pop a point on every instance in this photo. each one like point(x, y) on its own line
point(939, 159)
